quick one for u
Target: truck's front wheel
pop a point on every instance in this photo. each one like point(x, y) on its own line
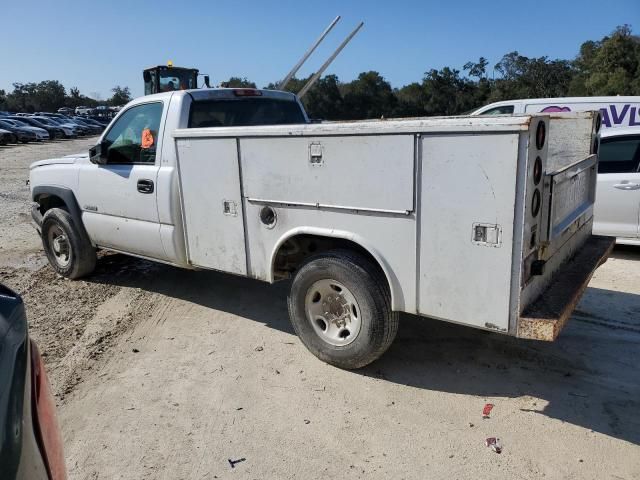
point(68, 249)
point(340, 307)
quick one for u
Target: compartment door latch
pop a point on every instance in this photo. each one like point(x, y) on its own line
point(487, 234)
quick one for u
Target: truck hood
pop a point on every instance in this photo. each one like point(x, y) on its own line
point(66, 160)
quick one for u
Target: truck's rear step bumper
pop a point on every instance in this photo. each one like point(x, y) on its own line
point(544, 319)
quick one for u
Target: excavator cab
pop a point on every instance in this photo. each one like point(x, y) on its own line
point(166, 78)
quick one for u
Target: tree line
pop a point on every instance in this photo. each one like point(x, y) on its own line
point(50, 95)
point(610, 66)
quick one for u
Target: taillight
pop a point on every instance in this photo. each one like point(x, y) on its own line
point(537, 171)
point(45, 422)
point(541, 134)
point(536, 200)
point(247, 92)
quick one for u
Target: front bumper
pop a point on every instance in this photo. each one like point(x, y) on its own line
point(545, 318)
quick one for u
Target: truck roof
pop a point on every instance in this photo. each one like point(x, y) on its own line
point(200, 94)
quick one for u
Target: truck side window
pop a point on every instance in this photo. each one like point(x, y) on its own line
point(502, 110)
point(619, 154)
point(133, 138)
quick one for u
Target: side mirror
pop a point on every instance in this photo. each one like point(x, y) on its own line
point(146, 76)
point(206, 81)
point(98, 154)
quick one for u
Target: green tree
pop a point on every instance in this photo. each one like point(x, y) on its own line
point(294, 85)
point(323, 100)
point(237, 82)
point(369, 96)
point(447, 93)
point(121, 95)
point(411, 101)
point(524, 77)
point(610, 66)
point(49, 95)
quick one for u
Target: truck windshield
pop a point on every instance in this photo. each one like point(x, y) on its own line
point(244, 112)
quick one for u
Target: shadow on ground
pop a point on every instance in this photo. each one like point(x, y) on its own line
point(588, 377)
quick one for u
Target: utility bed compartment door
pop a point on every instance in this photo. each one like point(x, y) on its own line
point(466, 228)
point(360, 172)
point(212, 204)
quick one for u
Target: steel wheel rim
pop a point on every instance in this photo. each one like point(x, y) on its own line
point(59, 245)
point(333, 312)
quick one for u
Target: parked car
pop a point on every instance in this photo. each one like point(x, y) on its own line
point(53, 131)
point(617, 208)
point(66, 110)
point(82, 129)
point(30, 440)
point(83, 110)
point(94, 129)
point(65, 122)
point(23, 134)
point(41, 134)
point(7, 137)
point(94, 123)
point(68, 131)
point(616, 111)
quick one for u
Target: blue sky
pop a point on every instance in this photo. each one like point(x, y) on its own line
point(96, 45)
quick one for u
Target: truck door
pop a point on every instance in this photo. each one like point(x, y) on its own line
point(118, 198)
point(617, 206)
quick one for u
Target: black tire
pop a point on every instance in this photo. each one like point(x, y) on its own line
point(80, 257)
point(368, 285)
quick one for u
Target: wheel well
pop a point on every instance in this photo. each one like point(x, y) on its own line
point(48, 202)
point(295, 250)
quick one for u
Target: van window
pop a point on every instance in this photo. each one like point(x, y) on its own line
point(502, 110)
point(619, 154)
point(244, 112)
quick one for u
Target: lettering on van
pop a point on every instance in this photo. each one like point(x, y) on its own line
point(613, 115)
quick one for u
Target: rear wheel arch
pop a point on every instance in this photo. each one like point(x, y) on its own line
point(326, 240)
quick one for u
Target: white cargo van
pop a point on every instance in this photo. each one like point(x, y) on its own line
point(616, 111)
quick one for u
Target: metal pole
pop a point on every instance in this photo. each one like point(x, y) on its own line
point(317, 75)
point(295, 69)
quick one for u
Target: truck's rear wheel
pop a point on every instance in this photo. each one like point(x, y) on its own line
point(68, 249)
point(340, 307)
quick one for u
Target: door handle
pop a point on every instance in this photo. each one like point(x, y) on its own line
point(145, 186)
point(627, 186)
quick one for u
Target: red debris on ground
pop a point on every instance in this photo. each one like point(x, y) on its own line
point(486, 411)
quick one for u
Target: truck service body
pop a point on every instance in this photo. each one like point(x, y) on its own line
point(483, 221)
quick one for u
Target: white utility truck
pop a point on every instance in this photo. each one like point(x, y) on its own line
point(483, 221)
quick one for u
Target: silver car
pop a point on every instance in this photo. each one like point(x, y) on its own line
point(617, 207)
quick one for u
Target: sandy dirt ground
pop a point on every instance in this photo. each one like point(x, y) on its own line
point(161, 373)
